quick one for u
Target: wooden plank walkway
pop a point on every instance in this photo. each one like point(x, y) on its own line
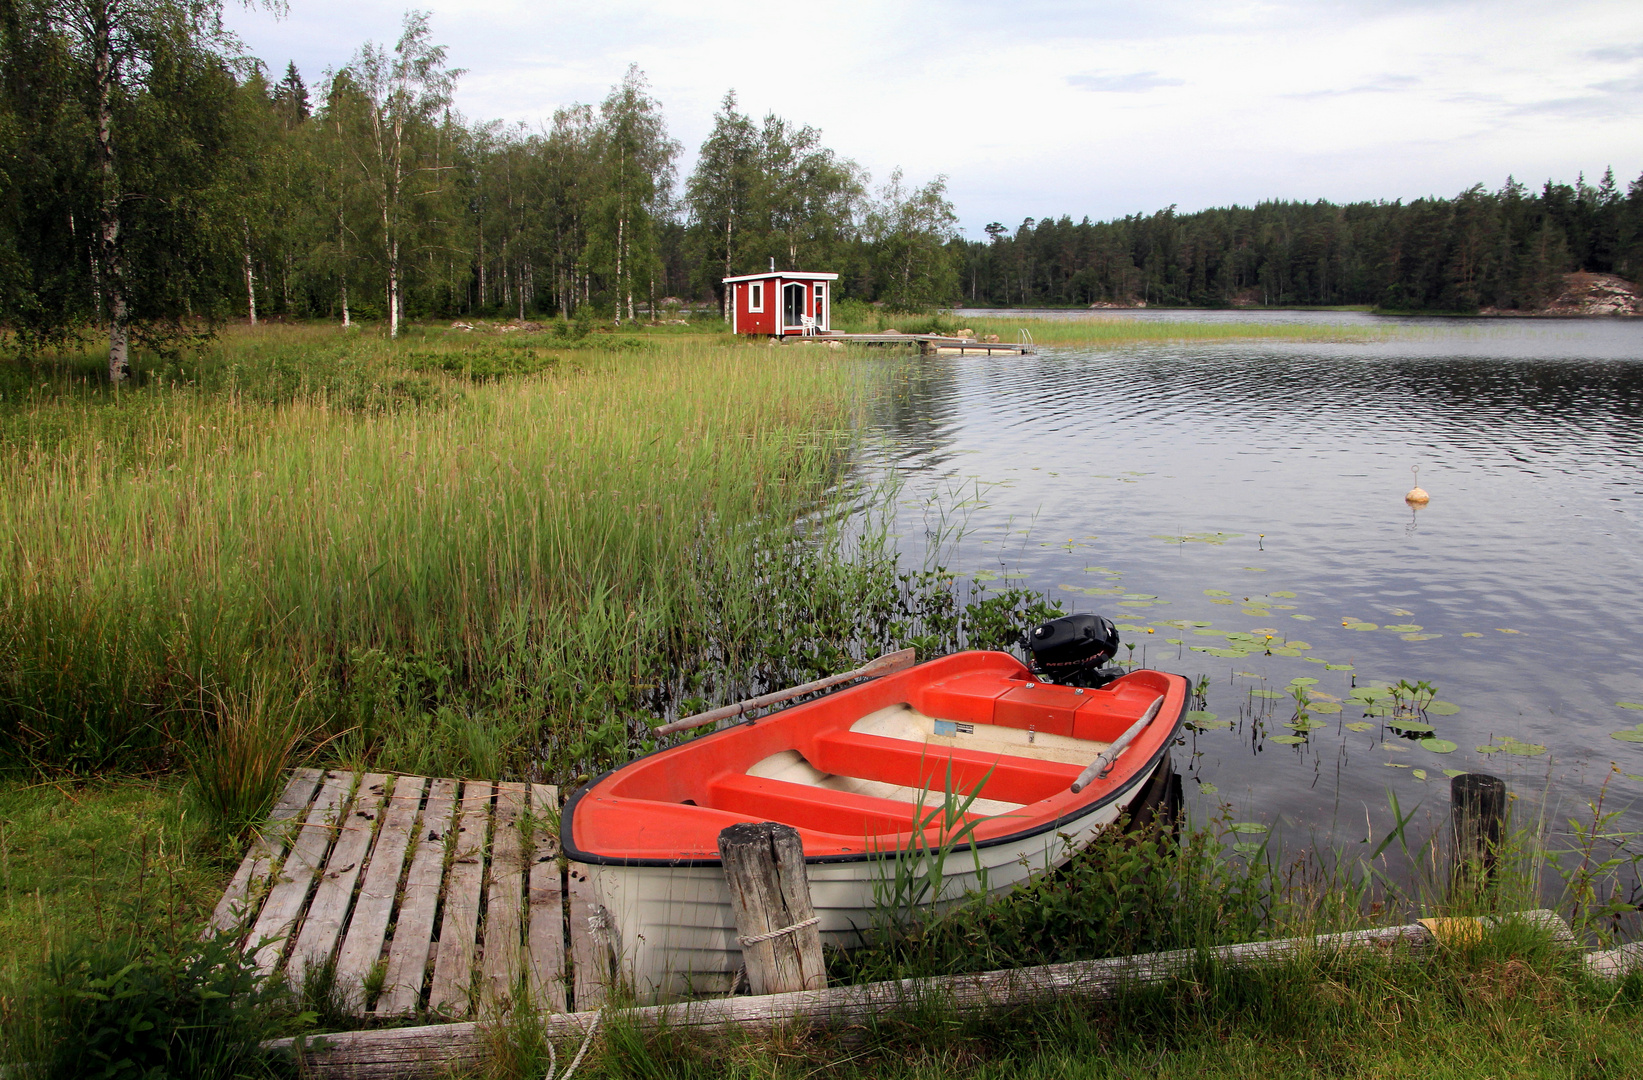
point(420, 897)
point(928, 344)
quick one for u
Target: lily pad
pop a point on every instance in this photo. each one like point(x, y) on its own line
point(1254, 569)
point(1208, 788)
point(1439, 746)
point(1471, 633)
point(1283, 594)
point(1420, 774)
point(1325, 706)
point(1247, 848)
point(1298, 644)
point(1304, 618)
point(1503, 630)
point(1286, 651)
point(1512, 746)
point(1415, 727)
point(1175, 641)
point(1210, 633)
point(1395, 764)
point(1419, 637)
point(1629, 735)
point(1248, 827)
point(1359, 725)
point(1269, 693)
point(1629, 705)
point(1338, 667)
point(1216, 592)
point(1362, 626)
point(1230, 654)
point(1140, 596)
point(1403, 628)
point(1452, 773)
point(1303, 680)
point(1199, 716)
point(1288, 740)
point(1304, 725)
point(1134, 603)
point(1442, 708)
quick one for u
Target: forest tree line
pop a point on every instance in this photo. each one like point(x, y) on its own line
point(155, 180)
point(1506, 249)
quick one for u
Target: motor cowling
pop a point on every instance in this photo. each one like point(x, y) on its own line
point(1074, 649)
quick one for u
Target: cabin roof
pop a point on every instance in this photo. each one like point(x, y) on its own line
point(789, 275)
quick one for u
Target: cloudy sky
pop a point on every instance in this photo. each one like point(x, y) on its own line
point(1041, 107)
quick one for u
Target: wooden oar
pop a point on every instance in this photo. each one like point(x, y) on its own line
point(1103, 764)
point(887, 664)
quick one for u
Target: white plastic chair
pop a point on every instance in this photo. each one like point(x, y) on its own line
point(807, 325)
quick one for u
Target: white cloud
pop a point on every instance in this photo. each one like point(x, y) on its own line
point(1059, 106)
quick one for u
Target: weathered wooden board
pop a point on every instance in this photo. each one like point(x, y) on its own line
point(547, 904)
point(436, 1050)
point(592, 944)
point(451, 990)
point(328, 910)
point(502, 957)
point(368, 926)
point(274, 926)
point(243, 894)
point(409, 953)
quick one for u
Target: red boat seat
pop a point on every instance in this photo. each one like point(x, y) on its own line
point(840, 813)
point(896, 761)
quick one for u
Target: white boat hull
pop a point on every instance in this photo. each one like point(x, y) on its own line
point(669, 930)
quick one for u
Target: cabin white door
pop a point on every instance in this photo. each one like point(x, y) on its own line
point(793, 306)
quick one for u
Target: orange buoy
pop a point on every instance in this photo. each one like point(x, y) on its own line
point(1417, 495)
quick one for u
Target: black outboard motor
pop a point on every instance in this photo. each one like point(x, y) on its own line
point(1072, 649)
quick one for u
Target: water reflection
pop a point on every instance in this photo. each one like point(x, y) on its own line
point(1114, 475)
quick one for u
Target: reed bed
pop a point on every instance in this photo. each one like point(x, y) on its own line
point(512, 553)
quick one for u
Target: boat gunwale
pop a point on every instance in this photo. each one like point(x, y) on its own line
point(567, 832)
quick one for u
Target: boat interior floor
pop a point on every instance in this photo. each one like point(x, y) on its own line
point(909, 725)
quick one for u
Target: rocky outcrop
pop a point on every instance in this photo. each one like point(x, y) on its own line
point(1588, 294)
point(1596, 294)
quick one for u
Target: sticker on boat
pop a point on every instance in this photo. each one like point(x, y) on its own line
point(949, 727)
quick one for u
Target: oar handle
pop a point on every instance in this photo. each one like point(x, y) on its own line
point(884, 665)
point(1103, 764)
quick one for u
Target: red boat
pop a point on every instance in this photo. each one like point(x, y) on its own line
point(864, 774)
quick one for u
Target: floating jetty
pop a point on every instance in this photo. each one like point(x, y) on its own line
point(928, 344)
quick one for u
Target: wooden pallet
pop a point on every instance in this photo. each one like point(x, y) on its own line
point(436, 897)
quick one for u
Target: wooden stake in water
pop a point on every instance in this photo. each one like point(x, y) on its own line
point(770, 895)
point(1477, 816)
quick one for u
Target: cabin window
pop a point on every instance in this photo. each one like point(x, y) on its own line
point(755, 296)
point(820, 299)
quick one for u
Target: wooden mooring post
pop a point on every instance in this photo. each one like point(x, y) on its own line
point(770, 895)
point(1477, 815)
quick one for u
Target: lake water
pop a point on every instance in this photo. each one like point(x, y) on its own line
point(1257, 488)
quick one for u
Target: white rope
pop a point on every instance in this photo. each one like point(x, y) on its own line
point(754, 940)
point(587, 1040)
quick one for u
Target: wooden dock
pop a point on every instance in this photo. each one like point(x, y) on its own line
point(436, 898)
point(928, 344)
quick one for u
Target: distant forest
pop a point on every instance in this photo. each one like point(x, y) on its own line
point(155, 180)
point(1506, 249)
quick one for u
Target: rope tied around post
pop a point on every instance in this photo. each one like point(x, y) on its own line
point(795, 928)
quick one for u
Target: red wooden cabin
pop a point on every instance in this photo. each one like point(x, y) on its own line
point(781, 302)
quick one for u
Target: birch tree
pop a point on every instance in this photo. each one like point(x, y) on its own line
point(405, 95)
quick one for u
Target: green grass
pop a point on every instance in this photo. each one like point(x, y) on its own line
point(1094, 329)
point(84, 862)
